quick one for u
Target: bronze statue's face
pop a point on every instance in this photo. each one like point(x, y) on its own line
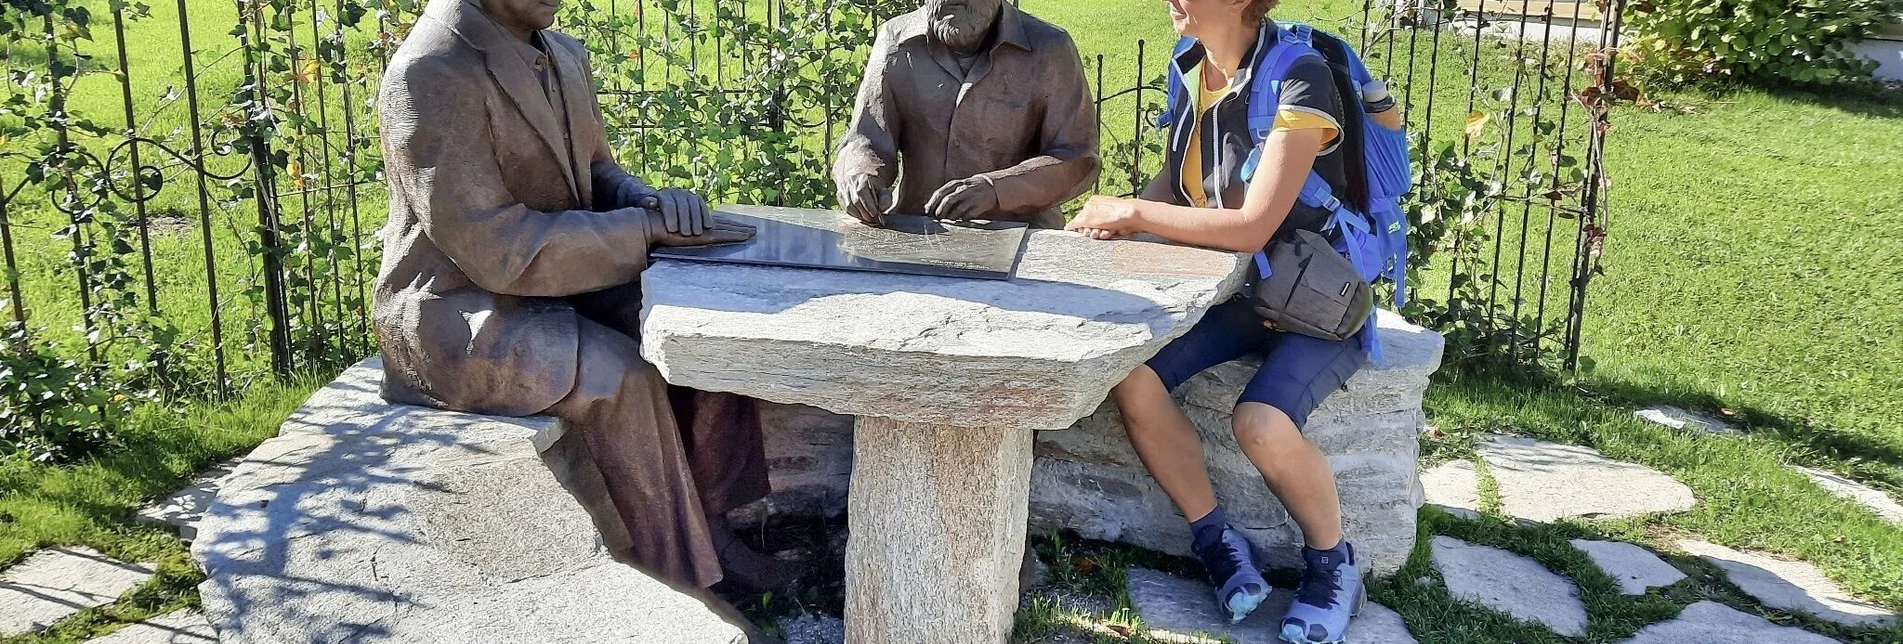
point(962, 24)
point(522, 16)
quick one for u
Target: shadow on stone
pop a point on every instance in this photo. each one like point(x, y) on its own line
point(365, 521)
point(55, 583)
point(1790, 585)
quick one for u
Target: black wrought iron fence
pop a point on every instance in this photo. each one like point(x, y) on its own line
point(1506, 100)
point(189, 190)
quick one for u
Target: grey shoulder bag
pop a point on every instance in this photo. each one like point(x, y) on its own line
point(1309, 288)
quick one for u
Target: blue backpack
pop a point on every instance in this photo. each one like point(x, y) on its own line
point(1373, 233)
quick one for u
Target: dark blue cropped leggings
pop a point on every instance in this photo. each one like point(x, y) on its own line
point(1297, 372)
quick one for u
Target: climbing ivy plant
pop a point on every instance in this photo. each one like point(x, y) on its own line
point(740, 100)
point(56, 398)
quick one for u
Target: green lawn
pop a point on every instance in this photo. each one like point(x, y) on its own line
point(92, 503)
point(1756, 265)
point(1753, 266)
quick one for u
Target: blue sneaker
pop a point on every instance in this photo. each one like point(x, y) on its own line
point(1233, 571)
point(1330, 595)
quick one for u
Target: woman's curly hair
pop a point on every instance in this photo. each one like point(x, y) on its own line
point(1259, 9)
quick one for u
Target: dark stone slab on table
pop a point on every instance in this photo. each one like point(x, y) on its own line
point(907, 244)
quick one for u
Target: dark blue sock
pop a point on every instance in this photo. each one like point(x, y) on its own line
point(1207, 531)
point(1341, 553)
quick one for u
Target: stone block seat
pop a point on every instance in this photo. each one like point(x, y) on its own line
point(364, 521)
point(1088, 479)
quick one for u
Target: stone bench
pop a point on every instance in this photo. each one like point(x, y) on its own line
point(1089, 480)
point(364, 521)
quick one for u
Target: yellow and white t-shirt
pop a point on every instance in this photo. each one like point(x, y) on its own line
point(1288, 116)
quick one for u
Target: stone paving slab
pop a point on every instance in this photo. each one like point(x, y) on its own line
point(1183, 610)
point(1510, 583)
point(1790, 585)
point(1541, 481)
point(1709, 622)
point(184, 508)
point(1635, 568)
point(1454, 487)
point(55, 583)
point(1681, 418)
point(178, 627)
point(1864, 495)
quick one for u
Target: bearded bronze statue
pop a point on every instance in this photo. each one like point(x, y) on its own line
point(969, 109)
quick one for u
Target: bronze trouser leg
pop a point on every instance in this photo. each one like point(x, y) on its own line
point(725, 449)
point(621, 414)
point(721, 431)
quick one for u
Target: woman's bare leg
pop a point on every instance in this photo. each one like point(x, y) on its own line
point(1295, 469)
point(1166, 441)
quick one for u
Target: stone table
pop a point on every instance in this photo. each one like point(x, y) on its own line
point(949, 378)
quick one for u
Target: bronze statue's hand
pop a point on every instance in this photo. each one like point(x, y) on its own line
point(681, 211)
point(969, 198)
point(866, 199)
point(629, 193)
point(719, 230)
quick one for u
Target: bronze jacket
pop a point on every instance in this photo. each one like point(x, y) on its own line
point(491, 216)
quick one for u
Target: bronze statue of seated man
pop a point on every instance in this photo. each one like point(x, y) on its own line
point(510, 285)
point(976, 110)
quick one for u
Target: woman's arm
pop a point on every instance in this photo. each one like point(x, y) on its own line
point(1288, 156)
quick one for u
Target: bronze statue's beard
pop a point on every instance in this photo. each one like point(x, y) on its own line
point(959, 33)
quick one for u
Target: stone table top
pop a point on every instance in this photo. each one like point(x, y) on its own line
point(1037, 351)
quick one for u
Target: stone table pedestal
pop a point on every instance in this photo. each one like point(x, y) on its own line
point(949, 378)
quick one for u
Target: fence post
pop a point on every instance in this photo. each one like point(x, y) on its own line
point(138, 180)
point(204, 199)
point(350, 182)
point(1591, 231)
point(13, 270)
point(265, 195)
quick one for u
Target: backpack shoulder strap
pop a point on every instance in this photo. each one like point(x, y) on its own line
point(1292, 42)
point(1175, 91)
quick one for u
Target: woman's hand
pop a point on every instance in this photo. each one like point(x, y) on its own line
point(1107, 218)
